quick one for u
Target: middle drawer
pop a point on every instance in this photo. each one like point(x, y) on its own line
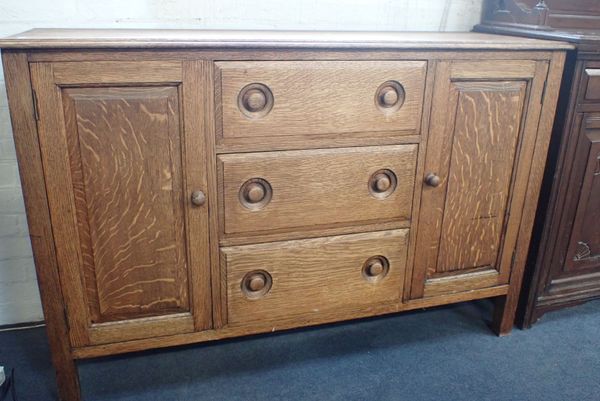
point(306, 188)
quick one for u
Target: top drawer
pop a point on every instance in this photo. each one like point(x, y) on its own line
point(308, 98)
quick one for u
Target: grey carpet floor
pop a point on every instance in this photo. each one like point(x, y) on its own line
point(446, 353)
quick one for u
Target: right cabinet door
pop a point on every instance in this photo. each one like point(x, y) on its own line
point(482, 134)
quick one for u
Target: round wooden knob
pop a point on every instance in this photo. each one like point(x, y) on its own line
point(375, 268)
point(381, 182)
point(388, 96)
point(254, 100)
point(256, 282)
point(254, 192)
point(432, 180)
point(198, 198)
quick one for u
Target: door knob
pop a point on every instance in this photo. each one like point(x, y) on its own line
point(198, 198)
point(432, 180)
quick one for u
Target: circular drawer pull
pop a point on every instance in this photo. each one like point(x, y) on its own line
point(389, 97)
point(255, 194)
point(255, 100)
point(432, 180)
point(375, 268)
point(198, 198)
point(382, 183)
point(256, 284)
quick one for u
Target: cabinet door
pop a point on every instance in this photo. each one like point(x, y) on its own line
point(481, 138)
point(123, 152)
point(584, 244)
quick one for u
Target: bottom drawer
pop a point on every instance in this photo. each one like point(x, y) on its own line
point(298, 279)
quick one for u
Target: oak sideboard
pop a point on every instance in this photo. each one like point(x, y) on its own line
point(186, 186)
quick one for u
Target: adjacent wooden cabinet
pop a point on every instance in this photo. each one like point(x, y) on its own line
point(564, 262)
point(186, 186)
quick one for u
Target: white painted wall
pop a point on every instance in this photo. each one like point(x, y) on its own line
point(19, 299)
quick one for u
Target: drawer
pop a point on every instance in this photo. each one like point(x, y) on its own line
point(306, 278)
point(308, 98)
point(592, 89)
point(307, 188)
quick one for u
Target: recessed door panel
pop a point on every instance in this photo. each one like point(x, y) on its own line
point(125, 153)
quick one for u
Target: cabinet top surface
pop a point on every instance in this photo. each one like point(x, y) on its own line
point(171, 38)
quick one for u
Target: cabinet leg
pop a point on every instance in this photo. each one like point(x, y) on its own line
point(67, 380)
point(504, 315)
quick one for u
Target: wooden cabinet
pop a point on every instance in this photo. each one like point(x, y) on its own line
point(181, 189)
point(564, 261)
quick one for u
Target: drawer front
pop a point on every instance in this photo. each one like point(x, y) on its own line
point(279, 98)
point(592, 90)
point(306, 278)
point(307, 188)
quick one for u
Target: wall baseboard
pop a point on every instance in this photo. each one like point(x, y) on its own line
point(22, 326)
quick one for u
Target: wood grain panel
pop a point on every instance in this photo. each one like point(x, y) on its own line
point(456, 283)
point(431, 210)
point(314, 276)
point(54, 150)
point(125, 150)
point(487, 124)
point(489, 69)
point(316, 187)
point(99, 72)
point(320, 97)
point(147, 327)
point(199, 176)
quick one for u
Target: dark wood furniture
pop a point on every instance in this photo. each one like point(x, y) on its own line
point(186, 186)
point(564, 263)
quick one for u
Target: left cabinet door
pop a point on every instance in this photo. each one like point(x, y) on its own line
point(124, 159)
